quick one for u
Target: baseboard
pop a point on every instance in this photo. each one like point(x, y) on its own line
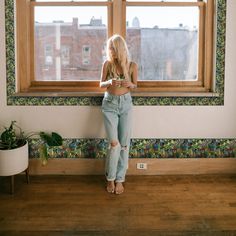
point(79, 166)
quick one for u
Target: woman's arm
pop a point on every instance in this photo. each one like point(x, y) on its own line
point(103, 82)
point(134, 77)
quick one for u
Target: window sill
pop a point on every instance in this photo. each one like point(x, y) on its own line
point(100, 94)
point(175, 94)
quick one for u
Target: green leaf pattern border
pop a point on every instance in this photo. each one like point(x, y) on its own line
point(96, 101)
point(141, 148)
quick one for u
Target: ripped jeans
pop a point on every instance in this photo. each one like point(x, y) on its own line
point(117, 119)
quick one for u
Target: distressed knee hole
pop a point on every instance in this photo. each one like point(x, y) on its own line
point(114, 144)
point(124, 148)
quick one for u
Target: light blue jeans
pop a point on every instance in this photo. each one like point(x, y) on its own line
point(117, 111)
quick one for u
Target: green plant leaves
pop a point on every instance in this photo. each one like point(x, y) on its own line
point(9, 138)
point(53, 139)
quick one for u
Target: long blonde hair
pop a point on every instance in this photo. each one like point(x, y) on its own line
point(122, 53)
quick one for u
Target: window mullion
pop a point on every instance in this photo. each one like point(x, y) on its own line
point(117, 17)
point(209, 43)
point(23, 44)
point(32, 52)
point(201, 42)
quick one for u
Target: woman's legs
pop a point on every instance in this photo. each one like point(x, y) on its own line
point(124, 133)
point(117, 120)
point(113, 152)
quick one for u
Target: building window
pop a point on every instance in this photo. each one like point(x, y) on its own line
point(66, 48)
point(65, 55)
point(48, 55)
point(86, 55)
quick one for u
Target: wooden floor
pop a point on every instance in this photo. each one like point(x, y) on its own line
point(151, 205)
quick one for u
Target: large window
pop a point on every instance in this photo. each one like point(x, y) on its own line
point(69, 29)
point(165, 48)
point(62, 44)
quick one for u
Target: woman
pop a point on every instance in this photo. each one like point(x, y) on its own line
point(119, 76)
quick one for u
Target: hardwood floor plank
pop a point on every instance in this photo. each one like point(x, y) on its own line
point(150, 205)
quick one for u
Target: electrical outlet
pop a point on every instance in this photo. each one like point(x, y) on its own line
point(141, 166)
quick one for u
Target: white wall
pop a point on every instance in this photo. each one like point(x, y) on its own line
point(149, 121)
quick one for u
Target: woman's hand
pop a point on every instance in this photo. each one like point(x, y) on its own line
point(126, 83)
point(115, 82)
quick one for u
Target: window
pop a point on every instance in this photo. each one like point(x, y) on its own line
point(86, 55)
point(165, 49)
point(48, 55)
point(64, 43)
point(65, 55)
point(173, 46)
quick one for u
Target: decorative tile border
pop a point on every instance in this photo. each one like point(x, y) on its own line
point(96, 101)
point(142, 148)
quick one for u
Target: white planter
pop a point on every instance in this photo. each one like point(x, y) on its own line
point(14, 161)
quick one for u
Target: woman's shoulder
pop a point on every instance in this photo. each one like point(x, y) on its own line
point(133, 65)
point(106, 63)
point(106, 68)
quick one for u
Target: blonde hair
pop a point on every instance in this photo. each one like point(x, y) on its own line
point(122, 53)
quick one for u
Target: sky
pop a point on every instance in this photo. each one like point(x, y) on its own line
point(169, 17)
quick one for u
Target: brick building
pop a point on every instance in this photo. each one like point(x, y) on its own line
point(73, 51)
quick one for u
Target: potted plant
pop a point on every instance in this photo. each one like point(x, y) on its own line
point(49, 142)
point(14, 157)
point(14, 154)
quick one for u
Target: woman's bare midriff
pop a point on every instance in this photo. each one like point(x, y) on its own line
point(118, 91)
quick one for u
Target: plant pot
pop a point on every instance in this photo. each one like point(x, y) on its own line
point(14, 161)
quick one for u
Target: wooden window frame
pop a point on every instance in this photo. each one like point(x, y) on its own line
point(25, 51)
point(205, 54)
point(116, 10)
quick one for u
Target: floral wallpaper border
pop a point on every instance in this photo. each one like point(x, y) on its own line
point(96, 101)
point(141, 148)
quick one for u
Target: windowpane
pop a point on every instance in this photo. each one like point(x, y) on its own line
point(69, 1)
point(69, 42)
point(165, 1)
point(165, 44)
